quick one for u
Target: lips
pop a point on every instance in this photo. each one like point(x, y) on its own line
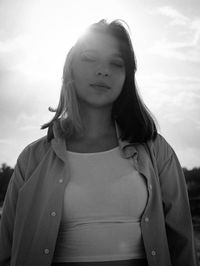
point(100, 85)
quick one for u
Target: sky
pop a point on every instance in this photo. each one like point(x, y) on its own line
point(35, 36)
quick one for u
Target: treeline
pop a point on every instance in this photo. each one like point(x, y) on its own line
point(193, 185)
point(192, 178)
point(5, 175)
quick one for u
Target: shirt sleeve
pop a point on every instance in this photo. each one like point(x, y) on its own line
point(8, 214)
point(176, 206)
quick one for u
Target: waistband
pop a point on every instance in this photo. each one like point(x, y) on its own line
point(132, 262)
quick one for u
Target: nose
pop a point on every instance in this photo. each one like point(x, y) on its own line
point(103, 72)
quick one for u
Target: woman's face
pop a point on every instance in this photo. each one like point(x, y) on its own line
point(98, 70)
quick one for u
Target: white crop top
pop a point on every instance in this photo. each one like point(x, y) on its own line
point(103, 204)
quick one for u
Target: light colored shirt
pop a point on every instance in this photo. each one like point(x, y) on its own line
point(103, 204)
point(32, 208)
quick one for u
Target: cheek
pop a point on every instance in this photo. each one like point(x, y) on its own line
point(82, 74)
point(79, 73)
point(119, 80)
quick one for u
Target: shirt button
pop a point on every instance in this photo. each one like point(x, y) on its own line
point(153, 253)
point(53, 213)
point(60, 180)
point(146, 219)
point(46, 251)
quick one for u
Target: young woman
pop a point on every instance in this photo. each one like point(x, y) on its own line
point(103, 187)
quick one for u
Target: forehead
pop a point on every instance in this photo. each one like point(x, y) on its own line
point(100, 42)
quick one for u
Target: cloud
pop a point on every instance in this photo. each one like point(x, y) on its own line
point(184, 45)
point(188, 52)
point(34, 55)
point(4, 141)
point(13, 44)
point(182, 92)
point(174, 100)
point(176, 17)
point(189, 157)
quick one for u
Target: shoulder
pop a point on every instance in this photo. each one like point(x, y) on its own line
point(33, 154)
point(39, 147)
point(161, 149)
point(165, 156)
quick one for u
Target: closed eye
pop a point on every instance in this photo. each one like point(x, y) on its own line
point(117, 64)
point(88, 58)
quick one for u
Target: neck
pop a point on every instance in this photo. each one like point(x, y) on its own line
point(97, 122)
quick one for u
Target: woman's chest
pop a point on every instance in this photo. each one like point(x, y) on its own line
point(104, 185)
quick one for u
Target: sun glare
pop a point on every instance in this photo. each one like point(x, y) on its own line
point(52, 28)
point(47, 40)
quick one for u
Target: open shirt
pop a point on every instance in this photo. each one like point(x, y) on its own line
point(33, 204)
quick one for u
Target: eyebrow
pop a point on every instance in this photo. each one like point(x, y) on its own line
point(113, 54)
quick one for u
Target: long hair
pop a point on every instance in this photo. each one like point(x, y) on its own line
point(67, 111)
point(134, 119)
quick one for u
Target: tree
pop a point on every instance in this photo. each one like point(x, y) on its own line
point(5, 175)
point(193, 183)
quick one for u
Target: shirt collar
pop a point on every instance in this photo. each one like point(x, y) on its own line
point(128, 148)
point(55, 134)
